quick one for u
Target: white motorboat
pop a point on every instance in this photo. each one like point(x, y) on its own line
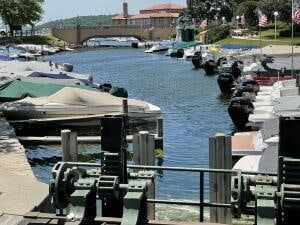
point(11, 69)
point(74, 102)
point(189, 53)
point(159, 47)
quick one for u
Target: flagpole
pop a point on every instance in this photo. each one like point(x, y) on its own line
point(260, 42)
point(293, 38)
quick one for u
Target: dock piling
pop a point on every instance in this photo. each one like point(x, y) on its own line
point(220, 184)
point(143, 154)
point(69, 146)
point(159, 127)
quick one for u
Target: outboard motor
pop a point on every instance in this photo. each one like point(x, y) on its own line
point(210, 67)
point(237, 68)
point(180, 53)
point(244, 91)
point(253, 84)
point(221, 61)
point(239, 110)
point(105, 87)
point(197, 61)
point(225, 82)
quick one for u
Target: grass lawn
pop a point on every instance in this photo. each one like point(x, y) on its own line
point(38, 40)
point(43, 40)
point(267, 39)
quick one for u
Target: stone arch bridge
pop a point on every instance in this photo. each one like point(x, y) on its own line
point(79, 34)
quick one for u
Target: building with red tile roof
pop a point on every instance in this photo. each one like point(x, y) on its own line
point(163, 15)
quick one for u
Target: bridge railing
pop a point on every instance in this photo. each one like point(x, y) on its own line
point(111, 26)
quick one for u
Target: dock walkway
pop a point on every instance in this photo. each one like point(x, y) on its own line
point(20, 191)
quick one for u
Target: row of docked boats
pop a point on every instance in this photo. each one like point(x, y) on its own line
point(35, 92)
point(201, 55)
point(262, 93)
point(243, 84)
point(29, 51)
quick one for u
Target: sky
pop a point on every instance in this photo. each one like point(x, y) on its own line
point(61, 9)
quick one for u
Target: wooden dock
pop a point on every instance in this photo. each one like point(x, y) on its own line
point(20, 191)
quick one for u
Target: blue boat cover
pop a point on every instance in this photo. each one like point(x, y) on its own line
point(50, 75)
point(236, 46)
point(4, 58)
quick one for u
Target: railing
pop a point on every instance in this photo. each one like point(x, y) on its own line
point(110, 26)
point(17, 36)
point(202, 203)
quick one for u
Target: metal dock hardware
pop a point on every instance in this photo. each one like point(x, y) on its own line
point(75, 189)
point(277, 198)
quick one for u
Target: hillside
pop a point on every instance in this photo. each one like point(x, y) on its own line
point(84, 21)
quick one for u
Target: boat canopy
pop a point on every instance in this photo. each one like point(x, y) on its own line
point(76, 96)
point(17, 89)
point(189, 44)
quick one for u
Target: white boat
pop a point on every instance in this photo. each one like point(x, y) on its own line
point(159, 47)
point(189, 53)
point(271, 103)
point(75, 102)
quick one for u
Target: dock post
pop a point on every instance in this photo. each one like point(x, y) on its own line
point(159, 144)
point(73, 147)
point(69, 146)
point(159, 127)
point(143, 154)
point(65, 143)
point(125, 106)
point(219, 183)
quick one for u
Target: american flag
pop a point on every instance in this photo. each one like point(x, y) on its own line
point(263, 20)
point(203, 25)
point(296, 15)
point(243, 21)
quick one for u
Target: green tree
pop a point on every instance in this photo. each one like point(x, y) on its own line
point(249, 10)
point(202, 9)
point(283, 7)
point(20, 12)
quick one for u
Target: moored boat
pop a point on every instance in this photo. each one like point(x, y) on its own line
point(70, 102)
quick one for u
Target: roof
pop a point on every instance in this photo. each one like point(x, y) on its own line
point(164, 7)
point(141, 16)
point(161, 14)
point(164, 14)
point(119, 17)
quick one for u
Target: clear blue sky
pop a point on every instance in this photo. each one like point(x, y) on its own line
point(60, 9)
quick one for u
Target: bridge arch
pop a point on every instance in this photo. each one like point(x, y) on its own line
point(111, 36)
point(78, 35)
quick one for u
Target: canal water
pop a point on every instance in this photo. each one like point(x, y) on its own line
point(190, 102)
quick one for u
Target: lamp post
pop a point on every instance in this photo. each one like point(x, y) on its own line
point(275, 17)
point(237, 25)
point(223, 19)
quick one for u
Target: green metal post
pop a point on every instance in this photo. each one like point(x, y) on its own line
point(201, 196)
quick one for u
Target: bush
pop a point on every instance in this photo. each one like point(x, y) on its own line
point(286, 31)
point(218, 33)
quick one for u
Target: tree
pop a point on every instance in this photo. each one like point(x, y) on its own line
point(209, 9)
point(20, 12)
point(283, 7)
point(204, 9)
point(249, 10)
